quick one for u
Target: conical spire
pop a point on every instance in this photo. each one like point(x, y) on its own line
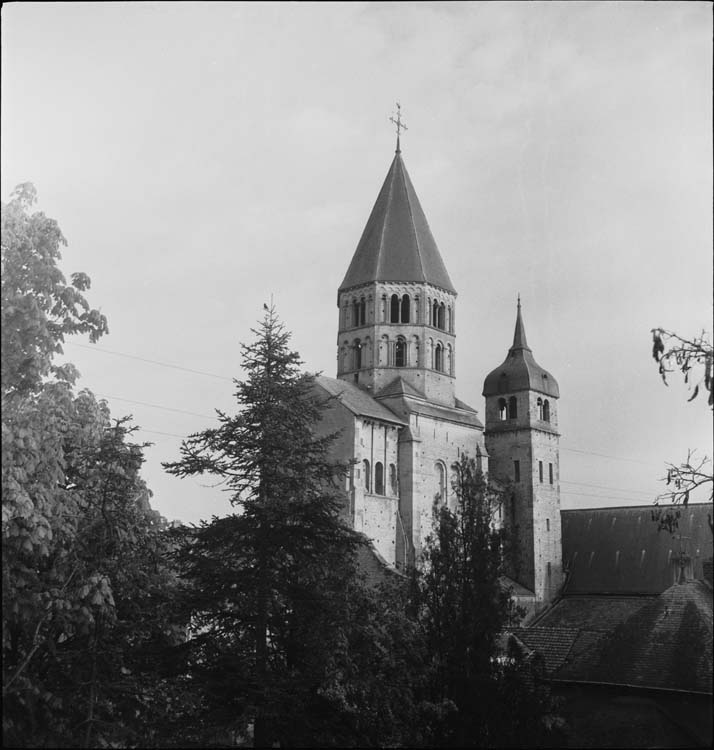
point(519, 335)
point(397, 244)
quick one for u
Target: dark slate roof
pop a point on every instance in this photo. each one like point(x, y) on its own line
point(450, 414)
point(356, 400)
point(553, 644)
point(594, 613)
point(665, 644)
point(399, 387)
point(397, 244)
point(647, 562)
point(520, 371)
point(517, 589)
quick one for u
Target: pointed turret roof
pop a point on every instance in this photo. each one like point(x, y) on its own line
point(519, 335)
point(520, 371)
point(397, 244)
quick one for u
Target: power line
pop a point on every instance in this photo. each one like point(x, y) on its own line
point(605, 455)
point(156, 406)
point(151, 361)
point(605, 487)
point(223, 377)
point(633, 500)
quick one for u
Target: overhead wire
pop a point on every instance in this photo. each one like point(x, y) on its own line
point(223, 377)
point(151, 361)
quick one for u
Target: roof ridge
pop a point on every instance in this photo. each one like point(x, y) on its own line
point(380, 251)
point(411, 219)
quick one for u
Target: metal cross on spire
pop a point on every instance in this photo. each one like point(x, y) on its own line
point(398, 122)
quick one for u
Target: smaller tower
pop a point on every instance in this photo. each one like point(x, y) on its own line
point(522, 441)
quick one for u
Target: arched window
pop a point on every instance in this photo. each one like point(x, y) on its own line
point(400, 353)
point(357, 355)
point(379, 478)
point(502, 409)
point(449, 360)
point(546, 411)
point(383, 315)
point(362, 311)
point(449, 320)
point(355, 313)
point(435, 314)
point(512, 408)
point(394, 309)
point(439, 358)
point(365, 469)
point(393, 479)
point(405, 308)
point(540, 408)
point(345, 315)
point(441, 316)
point(440, 471)
point(456, 471)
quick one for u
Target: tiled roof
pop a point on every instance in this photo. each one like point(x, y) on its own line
point(553, 644)
point(356, 400)
point(399, 387)
point(620, 551)
point(596, 613)
point(450, 414)
point(520, 371)
point(397, 244)
point(666, 644)
point(515, 588)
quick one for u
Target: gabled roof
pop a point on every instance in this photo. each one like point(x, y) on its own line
point(520, 371)
point(399, 387)
point(397, 244)
point(620, 551)
point(665, 644)
point(553, 644)
point(359, 402)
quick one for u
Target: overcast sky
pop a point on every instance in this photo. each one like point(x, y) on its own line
point(201, 157)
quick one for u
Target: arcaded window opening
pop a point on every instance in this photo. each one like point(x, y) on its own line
point(440, 470)
point(441, 317)
point(394, 309)
point(362, 311)
point(365, 469)
point(546, 411)
point(406, 308)
point(513, 408)
point(393, 480)
point(400, 353)
point(502, 409)
point(539, 403)
point(439, 358)
point(379, 478)
point(357, 355)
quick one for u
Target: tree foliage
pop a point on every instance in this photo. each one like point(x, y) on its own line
point(477, 694)
point(694, 359)
point(84, 584)
point(281, 621)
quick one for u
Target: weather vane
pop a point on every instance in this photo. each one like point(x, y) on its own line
point(398, 122)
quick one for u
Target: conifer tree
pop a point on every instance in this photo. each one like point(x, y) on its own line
point(477, 695)
point(269, 585)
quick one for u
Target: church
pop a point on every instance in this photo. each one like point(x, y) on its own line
point(401, 424)
point(618, 613)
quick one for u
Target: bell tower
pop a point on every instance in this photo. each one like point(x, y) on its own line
point(397, 304)
point(522, 441)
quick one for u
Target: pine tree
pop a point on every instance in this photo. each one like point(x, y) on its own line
point(268, 585)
